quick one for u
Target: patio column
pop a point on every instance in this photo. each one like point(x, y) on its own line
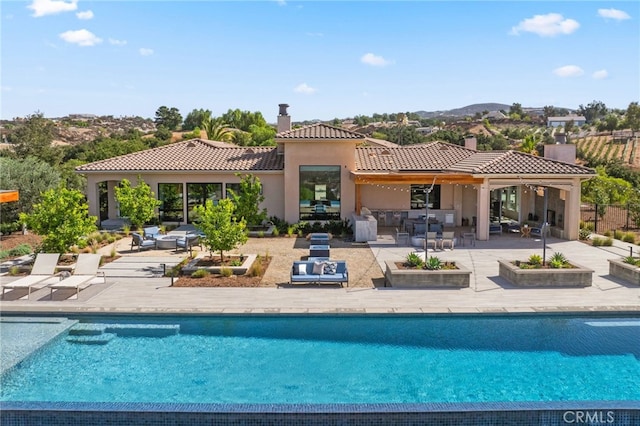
point(572, 211)
point(93, 197)
point(482, 213)
point(112, 209)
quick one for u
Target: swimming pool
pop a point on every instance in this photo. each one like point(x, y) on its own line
point(330, 359)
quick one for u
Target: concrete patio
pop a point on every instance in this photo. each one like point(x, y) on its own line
point(135, 285)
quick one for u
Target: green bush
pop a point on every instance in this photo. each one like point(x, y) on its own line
point(617, 234)
point(21, 250)
point(226, 272)
point(535, 259)
point(433, 264)
point(589, 226)
point(607, 233)
point(629, 237)
point(200, 273)
point(584, 234)
point(597, 241)
point(632, 260)
point(256, 269)
point(413, 260)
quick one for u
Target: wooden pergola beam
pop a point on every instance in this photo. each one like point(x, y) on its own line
point(415, 178)
point(9, 196)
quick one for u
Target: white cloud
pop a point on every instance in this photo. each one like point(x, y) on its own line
point(548, 25)
point(52, 7)
point(81, 37)
point(569, 71)
point(375, 60)
point(145, 52)
point(116, 42)
point(616, 14)
point(305, 89)
point(600, 75)
point(88, 14)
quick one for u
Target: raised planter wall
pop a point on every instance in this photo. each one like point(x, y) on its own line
point(265, 231)
point(191, 267)
point(624, 271)
point(422, 278)
point(578, 276)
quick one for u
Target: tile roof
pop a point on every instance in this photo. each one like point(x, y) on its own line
point(192, 155)
point(442, 156)
point(429, 156)
point(319, 131)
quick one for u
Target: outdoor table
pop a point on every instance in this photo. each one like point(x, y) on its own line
point(166, 242)
point(319, 250)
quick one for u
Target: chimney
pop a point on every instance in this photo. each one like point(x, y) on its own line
point(561, 152)
point(284, 120)
point(561, 138)
point(470, 142)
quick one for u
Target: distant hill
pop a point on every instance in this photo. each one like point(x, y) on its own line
point(468, 110)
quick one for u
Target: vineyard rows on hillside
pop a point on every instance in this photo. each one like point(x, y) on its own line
point(605, 148)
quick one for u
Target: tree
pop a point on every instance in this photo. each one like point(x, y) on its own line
point(168, 117)
point(603, 190)
point(34, 138)
point(247, 202)
point(632, 118)
point(195, 118)
point(593, 111)
point(31, 177)
point(222, 231)
point(529, 145)
point(609, 123)
point(516, 111)
point(243, 120)
point(61, 218)
point(217, 130)
point(262, 135)
point(163, 134)
point(137, 203)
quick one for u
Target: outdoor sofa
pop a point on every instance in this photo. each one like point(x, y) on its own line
point(319, 272)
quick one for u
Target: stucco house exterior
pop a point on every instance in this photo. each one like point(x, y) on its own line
point(578, 120)
point(320, 172)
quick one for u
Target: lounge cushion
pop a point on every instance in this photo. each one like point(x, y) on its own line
point(318, 268)
point(329, 268)
point(302, 269)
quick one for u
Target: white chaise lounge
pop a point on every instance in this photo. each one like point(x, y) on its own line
point(44, 268)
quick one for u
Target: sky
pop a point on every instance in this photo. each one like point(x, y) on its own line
point(326, 59)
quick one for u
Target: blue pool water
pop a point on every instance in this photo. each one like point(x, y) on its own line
point(347, 359)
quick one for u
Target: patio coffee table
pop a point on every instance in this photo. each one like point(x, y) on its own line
point(166, 242)
point(319, 250)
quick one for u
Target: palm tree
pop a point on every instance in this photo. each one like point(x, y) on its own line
point(529, 145)
point(217, 130)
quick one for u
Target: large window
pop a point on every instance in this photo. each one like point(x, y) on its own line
point(319, 193)
point(199, 193)
point(418, 196)
point(172, 202)
point(235, 187)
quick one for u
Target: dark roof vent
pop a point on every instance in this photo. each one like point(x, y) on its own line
point(191, 145)
point(385, 152)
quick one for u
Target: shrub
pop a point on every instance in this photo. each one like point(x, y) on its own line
point(608, 242)
point(617, 234)
point(235, 262)
point(413, 260)
point(558, 257)
point(256, 269)
point(126, 230)
point(607, 233)
point(535, 259)
point(632, 260)
point(629, 237)
point(226, 272)
point(113, 252)
point(20, 250)
point(14, 270)
point(433, 264)
point(589, 226)
point(200, 273)
point(584, 234)
point(276, 232)
point(597, 242)
point(291, 230)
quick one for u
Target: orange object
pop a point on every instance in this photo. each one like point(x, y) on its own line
point(8, 196)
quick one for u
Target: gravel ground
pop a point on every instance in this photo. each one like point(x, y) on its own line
point(364, 270)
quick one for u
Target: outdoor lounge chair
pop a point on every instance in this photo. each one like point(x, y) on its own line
point(86, 270)
point(139, 241)
point(402, 237)
point(448, 239)
point(44, 267)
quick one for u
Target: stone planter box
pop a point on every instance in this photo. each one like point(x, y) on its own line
point(624, 271)
point(422, 278)
point(258, 231)
point(578, 276)
point(191, 267)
